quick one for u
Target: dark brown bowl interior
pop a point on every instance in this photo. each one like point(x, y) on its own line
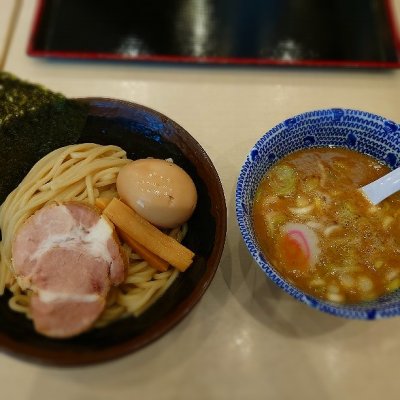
point(142, 132)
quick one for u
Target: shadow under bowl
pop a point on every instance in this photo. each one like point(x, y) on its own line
point(352, 129)
point(142, 132)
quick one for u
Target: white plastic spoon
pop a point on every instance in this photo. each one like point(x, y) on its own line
point(383, 187)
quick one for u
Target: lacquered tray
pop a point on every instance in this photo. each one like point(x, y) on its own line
point(336, 33)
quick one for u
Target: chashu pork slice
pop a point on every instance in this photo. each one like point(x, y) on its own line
point(69, 256)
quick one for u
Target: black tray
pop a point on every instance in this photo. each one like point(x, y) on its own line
point(352, 33)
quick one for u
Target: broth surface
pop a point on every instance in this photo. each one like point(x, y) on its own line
point(319, 231)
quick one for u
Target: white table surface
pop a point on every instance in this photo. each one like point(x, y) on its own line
point(245, 339)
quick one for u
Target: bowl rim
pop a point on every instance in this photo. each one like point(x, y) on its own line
point(349, 311)
point(28, 352)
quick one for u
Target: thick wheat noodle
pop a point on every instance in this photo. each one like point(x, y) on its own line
point(138, 278)
point(58, 171)
point(89, 188)
point(43, 168)
point(73, 191)
point(107, 174)
point(134, 302)
point(166, 284)
point(144, 270)
point(100, 184)
point(80, 173)
point(136, 267)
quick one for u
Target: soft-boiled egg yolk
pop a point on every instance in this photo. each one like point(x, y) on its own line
point(158, 190)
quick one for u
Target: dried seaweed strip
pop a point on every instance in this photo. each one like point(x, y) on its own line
point(33, 122)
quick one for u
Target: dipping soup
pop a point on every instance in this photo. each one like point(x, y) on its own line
point(320, 232)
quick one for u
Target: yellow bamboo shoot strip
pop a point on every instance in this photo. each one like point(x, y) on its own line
point(156, 262)
point(102, 202)
point(148, 235)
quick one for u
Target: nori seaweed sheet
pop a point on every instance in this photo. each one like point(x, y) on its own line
point(33, 122)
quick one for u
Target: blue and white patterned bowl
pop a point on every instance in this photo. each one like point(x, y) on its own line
point(357, 130)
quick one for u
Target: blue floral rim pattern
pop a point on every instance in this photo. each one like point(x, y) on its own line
point(337, 127)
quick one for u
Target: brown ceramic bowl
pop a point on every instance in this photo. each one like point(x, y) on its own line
point(142, 132)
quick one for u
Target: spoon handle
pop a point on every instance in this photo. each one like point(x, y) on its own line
point(383, 187)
